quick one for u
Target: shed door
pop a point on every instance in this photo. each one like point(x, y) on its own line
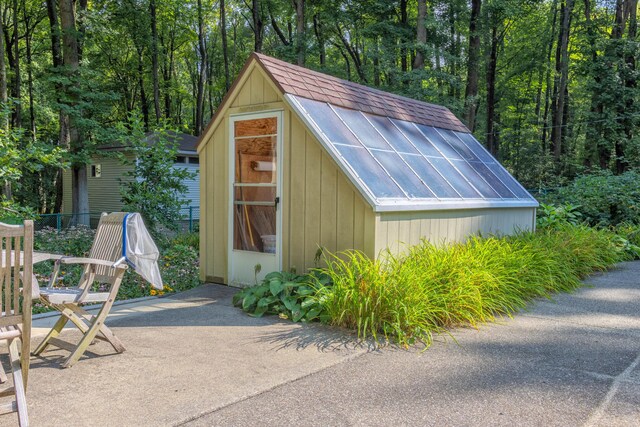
point(255, 215)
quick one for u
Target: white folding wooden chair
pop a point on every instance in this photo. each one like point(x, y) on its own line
point(16, 253)
point(105, 265)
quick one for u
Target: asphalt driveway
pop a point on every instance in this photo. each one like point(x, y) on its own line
point(193, 359)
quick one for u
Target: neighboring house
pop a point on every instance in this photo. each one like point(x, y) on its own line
point(295, 160)
point(106, 171)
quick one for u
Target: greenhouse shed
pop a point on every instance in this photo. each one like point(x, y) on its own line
point(295, 160)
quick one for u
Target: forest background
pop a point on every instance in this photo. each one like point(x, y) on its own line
point(549, 86)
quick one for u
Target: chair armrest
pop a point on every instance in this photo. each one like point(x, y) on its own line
point(44, 256)
point(94, 261)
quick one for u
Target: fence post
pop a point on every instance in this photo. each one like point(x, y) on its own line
point(58, 222)
point(190, 219)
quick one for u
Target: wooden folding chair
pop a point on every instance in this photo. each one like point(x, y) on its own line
point(16, 263)
point(105, 265)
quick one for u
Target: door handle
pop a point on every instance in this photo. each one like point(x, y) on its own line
point(277, 201)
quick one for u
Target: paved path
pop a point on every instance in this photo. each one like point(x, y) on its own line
point(195, 360)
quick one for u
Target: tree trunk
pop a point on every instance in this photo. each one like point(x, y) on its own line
point(258, 26)
point(317, 28)
point(202, 51)
point(561, 78)
point(300, 32)
point(17, 83)
point(421, 35)
point(225, 49)
point(154, 59)
point(144, 102)
point(69, 134)
point(28, 33)
point(353, 53)
point(471, 91)
point(630, 84)
point(492, 145)
point(54, 33)
point(404, 22)
point(6, 186)
point(56, 55)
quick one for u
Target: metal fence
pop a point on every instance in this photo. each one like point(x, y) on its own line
point(189, 219)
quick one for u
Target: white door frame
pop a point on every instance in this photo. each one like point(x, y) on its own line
point(235, 256)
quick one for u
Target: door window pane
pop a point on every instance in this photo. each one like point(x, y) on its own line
point(254, 207)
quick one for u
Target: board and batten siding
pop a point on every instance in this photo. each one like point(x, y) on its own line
point(397, 230)
point(321, 208)
point(324, 208)
point(104, 192)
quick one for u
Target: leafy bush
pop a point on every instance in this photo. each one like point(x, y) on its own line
point(552, 215)
point(629, 237)
point(407, 299)
point(286, 294)
point(188, 239)
point(603, 199)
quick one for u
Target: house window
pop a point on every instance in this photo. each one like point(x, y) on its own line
point(96, 171)
point(194, 160)
point(181, 159)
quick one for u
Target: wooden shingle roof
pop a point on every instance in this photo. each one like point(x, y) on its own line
point(295, 80)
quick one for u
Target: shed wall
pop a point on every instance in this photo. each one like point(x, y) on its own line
point(321, 208)
point(397, 230)
point(325, 209)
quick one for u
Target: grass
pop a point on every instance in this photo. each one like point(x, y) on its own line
point(410, 298)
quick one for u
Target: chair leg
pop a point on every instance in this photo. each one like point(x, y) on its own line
point(107, 334)
point(3, 375)
point(53, 333)
point(16, 367)
point(84, 343)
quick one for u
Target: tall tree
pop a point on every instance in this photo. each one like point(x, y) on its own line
point(69, 132)
point(202, 70)
point(560, 92)
point(154, 58)
point(301, 31)
point(225, 48)
point(421, 35)
point(473, 64)
point(257, 25)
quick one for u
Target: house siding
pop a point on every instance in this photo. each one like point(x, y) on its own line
point(104, 192)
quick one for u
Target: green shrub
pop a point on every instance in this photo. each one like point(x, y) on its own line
point(188, 239)
point(603, 199)
point(552, 215)
point(286, 294)
point(409, 298)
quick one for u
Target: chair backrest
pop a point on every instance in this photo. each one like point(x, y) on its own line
point(107, 244)
point(16, 251)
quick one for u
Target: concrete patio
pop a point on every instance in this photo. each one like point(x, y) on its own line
point(194, 359)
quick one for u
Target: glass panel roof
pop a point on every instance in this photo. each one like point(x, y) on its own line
point(400, 163)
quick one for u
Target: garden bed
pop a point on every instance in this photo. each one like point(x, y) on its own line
point(407, 299)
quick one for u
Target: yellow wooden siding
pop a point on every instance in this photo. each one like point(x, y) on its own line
point(325, 208)
point(321, 208)
point(397, 230)
point(253, 93)
point(104, 192)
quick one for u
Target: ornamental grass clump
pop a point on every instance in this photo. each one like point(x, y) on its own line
point(409, 298)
